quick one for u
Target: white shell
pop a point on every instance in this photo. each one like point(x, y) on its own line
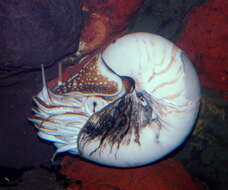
point(159, 68)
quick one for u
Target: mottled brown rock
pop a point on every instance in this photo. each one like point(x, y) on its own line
point(36, 32)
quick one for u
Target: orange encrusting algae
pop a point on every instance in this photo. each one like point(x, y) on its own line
point(205, 39)
point(166, 175)
point(106, 20)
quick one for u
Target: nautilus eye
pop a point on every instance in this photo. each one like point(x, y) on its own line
point(143, 107)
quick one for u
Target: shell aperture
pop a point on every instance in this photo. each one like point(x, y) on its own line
point(147, 109)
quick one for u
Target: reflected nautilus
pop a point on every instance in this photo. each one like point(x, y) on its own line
point(129, 106)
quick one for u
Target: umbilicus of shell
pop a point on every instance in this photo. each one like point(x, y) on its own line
point(129, 106)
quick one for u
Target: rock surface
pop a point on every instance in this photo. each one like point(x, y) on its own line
point(32, 33)
point(37, 32)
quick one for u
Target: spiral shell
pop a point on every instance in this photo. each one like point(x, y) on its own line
point(129, 106)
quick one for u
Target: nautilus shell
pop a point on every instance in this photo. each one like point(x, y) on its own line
point(131, 105)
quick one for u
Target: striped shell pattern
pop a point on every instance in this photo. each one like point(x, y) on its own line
point(129, 106)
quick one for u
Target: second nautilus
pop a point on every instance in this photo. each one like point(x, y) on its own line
point(128, 106)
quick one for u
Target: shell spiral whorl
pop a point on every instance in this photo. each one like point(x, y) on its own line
point(150, 110)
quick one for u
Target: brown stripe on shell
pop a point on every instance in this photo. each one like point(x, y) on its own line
point(89, 81)
point(172, 61)
point(168, 83)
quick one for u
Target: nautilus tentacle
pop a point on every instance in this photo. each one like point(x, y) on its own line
point(129, 106)
point(60, 114)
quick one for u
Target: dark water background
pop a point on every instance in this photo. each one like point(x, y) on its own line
point(24, 159)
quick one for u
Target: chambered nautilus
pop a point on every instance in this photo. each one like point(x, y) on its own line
point(129, 106)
